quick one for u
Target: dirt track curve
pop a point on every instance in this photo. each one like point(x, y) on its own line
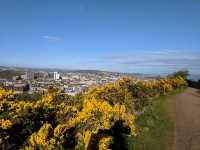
point(188, 120)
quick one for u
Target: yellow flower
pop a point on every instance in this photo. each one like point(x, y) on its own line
point(104, 143)
point(60, 130)
point(86, 138)
point(6, 124)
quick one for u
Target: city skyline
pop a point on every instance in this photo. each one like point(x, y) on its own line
point(123, 36)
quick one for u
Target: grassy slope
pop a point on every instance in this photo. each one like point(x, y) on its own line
point(157, 125)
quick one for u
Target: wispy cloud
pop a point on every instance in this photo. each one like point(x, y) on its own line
point(163, 59)
point(52, 38)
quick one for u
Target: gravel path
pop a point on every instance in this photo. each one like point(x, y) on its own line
point(188, 120)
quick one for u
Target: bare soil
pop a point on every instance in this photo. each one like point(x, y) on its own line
point(188, 120)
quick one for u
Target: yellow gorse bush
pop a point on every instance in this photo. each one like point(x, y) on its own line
point(6, 94)
point(41, 139)
point(106, 114)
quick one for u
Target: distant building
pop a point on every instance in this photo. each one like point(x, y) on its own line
point(24, 76)
point(40, 75)
point(56, 76)
point(20, 87)
point(30, 75)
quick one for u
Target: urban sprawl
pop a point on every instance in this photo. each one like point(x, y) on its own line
point(70, 83)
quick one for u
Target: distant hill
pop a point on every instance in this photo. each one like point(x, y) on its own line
point(194, 77)
point(9, 74)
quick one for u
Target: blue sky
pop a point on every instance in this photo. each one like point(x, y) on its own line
point(145, 36)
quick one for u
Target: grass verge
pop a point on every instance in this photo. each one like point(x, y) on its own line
point(156, 125)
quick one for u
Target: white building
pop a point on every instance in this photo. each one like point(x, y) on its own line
point(56, 76)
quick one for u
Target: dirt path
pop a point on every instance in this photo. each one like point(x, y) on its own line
point(188, 120)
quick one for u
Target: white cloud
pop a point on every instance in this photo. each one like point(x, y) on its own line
point(52, 38)
point(160, 60)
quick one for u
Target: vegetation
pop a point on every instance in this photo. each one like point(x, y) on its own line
point(182, 73)
point(194, 84)
point(102, 118)
point(28, 97)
